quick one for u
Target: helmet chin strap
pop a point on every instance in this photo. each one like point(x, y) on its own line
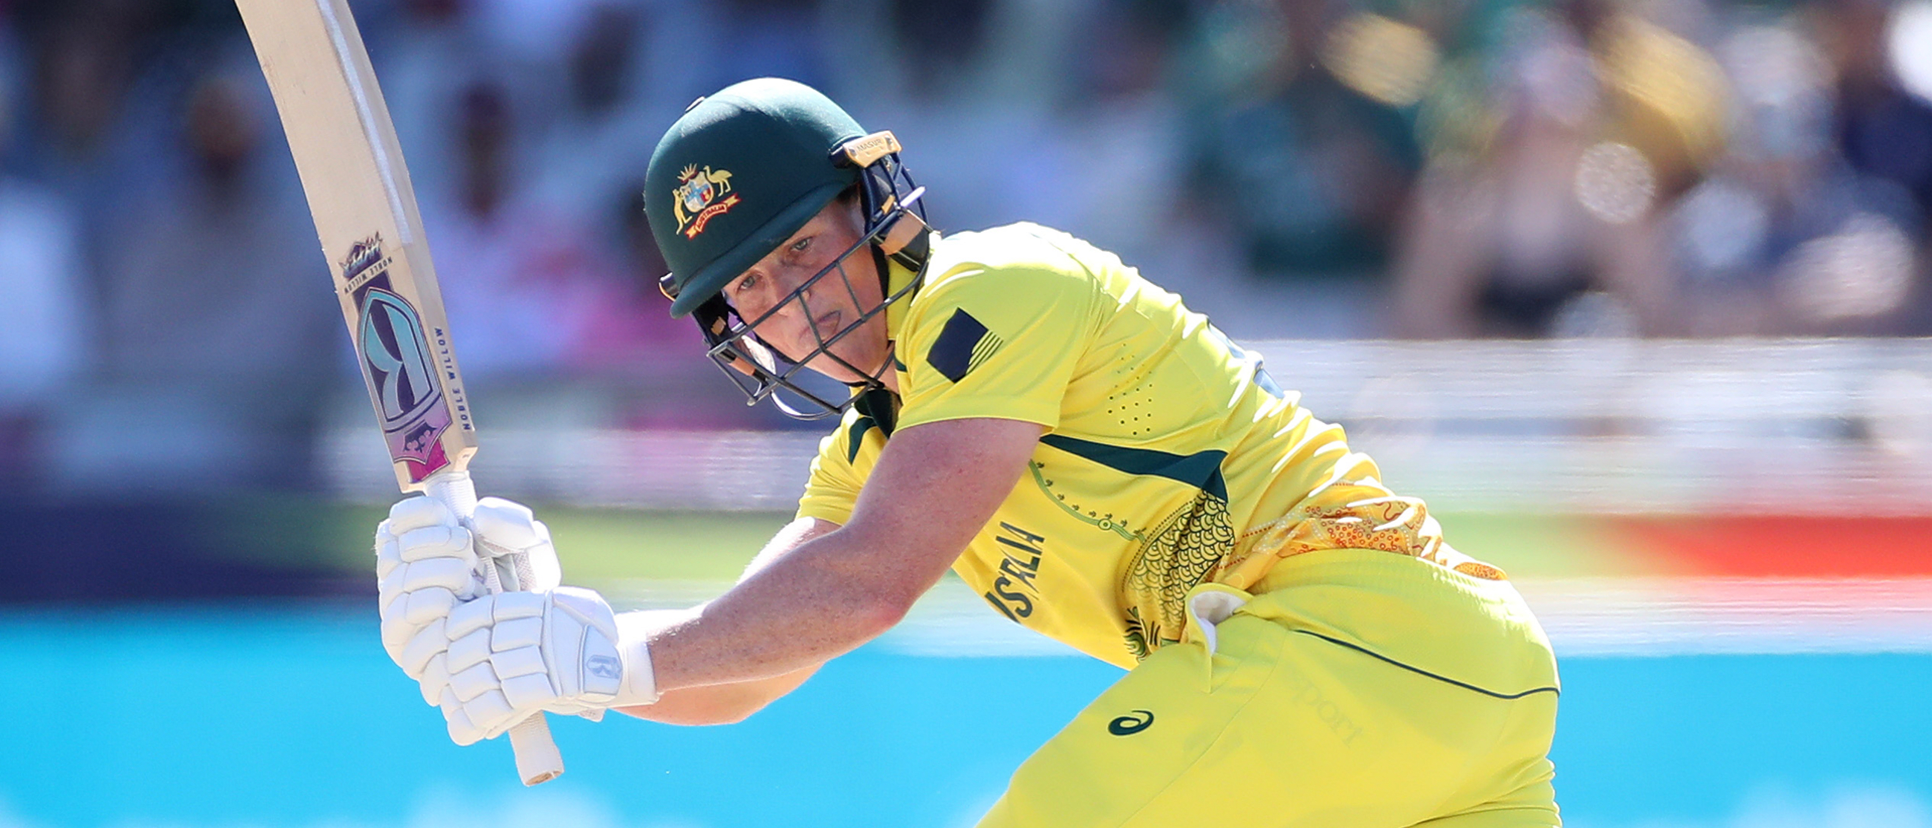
point(906, 242)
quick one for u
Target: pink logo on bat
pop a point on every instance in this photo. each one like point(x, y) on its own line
point(423, 452)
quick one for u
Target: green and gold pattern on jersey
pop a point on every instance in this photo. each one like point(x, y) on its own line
point(1092, 517)
point(1183, 549)
point(1187, 548)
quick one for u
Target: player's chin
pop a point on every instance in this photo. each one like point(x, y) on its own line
point(837, 369)
point(826, 367)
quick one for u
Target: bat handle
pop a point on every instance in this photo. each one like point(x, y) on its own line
point(537, 758)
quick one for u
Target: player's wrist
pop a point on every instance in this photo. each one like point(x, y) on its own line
point(634, 648)
point(635, 630)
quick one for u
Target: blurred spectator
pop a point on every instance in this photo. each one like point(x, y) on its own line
point(1311, 171)
point(104, 78)
point(1119, 149)
point(1785, 236)
point(1547, 222)
point(1883, 130)
point(82, 72)
point(522, 284)
point(432, 50)
point(601, 140)
point(213, 316)
point(1882, 54)
point(1582, 166)
point(92, 126)
point(631, 326)
point(990, 154)
point(42, 346)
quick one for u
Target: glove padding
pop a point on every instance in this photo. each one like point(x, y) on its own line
point(500, 658)
point(505, 529)
point(427, 561)
point(425, 565)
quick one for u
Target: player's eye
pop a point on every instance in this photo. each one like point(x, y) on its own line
point(800, 245)
point(747, 283)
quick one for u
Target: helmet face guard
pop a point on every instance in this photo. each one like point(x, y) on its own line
point(895, 229)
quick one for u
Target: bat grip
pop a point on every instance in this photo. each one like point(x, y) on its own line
point(536, 753)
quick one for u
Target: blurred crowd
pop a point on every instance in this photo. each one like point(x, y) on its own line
point(1406, 168)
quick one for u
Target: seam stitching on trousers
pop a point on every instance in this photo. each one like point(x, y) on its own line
point(1419, 671)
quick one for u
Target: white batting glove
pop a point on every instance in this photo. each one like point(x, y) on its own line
point(427, 561)
point(425, 565)
point(501, 658)
point(505, 529)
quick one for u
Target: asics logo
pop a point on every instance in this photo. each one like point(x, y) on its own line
point(1131, 723)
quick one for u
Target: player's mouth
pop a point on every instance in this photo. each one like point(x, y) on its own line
point(827, 326)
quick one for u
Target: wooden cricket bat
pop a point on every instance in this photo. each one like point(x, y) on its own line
point(365, 213)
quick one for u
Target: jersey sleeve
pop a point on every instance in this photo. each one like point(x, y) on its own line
point(844, 460)
point(996, 342)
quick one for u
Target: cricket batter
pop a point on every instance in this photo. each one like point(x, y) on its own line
point(1303, 647)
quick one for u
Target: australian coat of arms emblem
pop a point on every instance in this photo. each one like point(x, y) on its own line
point(700, 196)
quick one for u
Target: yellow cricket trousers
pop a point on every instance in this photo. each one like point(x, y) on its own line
point(1356, 688)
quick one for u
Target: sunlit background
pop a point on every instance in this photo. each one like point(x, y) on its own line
point(1634, 293)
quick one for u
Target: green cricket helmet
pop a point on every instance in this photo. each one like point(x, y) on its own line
point(737, 175)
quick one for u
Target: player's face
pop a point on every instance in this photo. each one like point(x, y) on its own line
point(810, 313)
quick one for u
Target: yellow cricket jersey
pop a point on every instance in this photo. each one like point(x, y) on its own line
point(1171, 458)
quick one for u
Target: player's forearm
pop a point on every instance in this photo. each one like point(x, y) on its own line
point(819, 601)
point(718, 704)
point(935, 487)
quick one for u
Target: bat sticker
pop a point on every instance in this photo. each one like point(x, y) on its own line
point(396, 364)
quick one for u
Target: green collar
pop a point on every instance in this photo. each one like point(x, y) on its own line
point(878, 407)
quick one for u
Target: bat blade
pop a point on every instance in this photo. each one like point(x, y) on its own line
point(365, 216)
